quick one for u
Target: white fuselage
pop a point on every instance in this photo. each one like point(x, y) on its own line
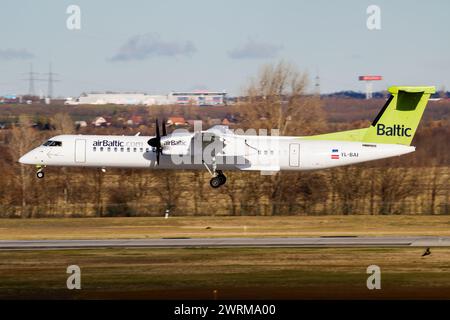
point(254, 153)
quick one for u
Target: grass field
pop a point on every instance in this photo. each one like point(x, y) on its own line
point(225, 273)
point(233, 273)
point(106, 228)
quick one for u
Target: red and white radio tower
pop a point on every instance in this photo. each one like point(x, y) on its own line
point(368, 80)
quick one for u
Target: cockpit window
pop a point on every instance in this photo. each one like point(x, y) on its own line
point(52, 143)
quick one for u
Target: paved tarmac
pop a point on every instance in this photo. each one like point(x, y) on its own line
point(318, 242)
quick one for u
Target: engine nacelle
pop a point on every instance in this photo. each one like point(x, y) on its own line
point(176, 144)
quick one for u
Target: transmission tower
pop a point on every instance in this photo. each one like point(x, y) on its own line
point(317, 85)
point(50, 80)
point(31, 78)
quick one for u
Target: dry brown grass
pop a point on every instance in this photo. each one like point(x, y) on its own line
point(158, 227)
point(288, 273)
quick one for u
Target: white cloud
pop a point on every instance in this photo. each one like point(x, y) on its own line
point(19, 54)
point(255, 50)
point(141, 47)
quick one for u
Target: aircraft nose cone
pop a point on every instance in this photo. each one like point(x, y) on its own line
point(25, 159)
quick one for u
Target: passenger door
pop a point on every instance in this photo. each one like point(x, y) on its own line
point(80, 150)
point(294, 155)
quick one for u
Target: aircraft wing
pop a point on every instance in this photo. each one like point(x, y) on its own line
point(220, 130)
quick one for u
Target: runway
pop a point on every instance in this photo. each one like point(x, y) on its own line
point(318, 242)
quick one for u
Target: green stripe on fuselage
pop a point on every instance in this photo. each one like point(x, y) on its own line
point(350, 135)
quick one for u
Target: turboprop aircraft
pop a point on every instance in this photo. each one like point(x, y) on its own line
point(219, 149)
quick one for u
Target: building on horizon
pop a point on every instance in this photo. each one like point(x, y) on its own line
point(200, 98)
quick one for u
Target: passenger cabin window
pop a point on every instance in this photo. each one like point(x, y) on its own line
point(53, 143)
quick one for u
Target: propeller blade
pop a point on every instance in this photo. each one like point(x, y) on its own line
point(164, 128)
point(157, 129)
point(156, 141)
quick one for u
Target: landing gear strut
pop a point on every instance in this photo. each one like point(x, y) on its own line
point(218, 178)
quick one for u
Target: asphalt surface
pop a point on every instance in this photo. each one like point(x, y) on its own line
point(326, 242)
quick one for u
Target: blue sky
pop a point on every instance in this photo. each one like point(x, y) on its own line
point(159, 46)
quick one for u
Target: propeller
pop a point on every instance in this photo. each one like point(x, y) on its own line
point(156, 141)
point(164, 128)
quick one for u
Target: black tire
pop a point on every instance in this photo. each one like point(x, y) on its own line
point(222, 178)
point(40, 174)
point(215, 182)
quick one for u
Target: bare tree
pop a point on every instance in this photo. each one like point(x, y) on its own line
point(437, 184)
point(394, 185)
point(98, 177)
point(63, 123)
point(23, 138)
point(277, 99)
point(307, 190)
point(243, 192)
point(198, 191)
point(252, 199)
point(349, 184)
point(168, 188)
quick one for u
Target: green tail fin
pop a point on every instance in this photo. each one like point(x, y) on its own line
point(396, 123)
point(398, 120)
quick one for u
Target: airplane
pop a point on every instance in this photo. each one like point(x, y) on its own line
point(219, 149)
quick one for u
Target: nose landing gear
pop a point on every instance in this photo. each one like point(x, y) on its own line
point(40, 172)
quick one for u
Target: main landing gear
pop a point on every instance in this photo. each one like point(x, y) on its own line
point(218, 178)
point(40, 172)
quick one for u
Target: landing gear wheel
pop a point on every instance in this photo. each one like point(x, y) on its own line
point(222, 178)
point(216, 182)
point(40, 174)
point(218, 178)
